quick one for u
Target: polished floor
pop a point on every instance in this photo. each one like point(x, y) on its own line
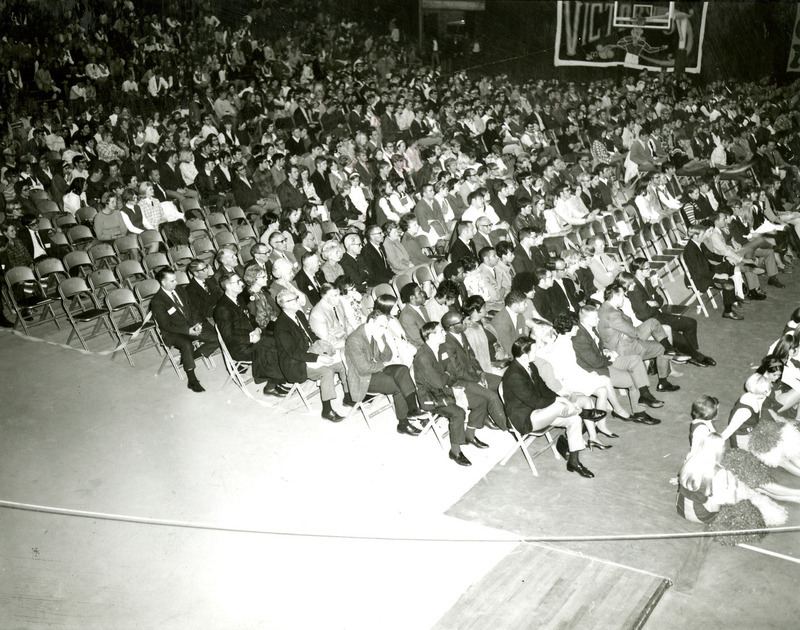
point(232, 514)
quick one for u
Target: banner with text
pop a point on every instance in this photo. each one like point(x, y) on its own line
point(794, 51)
point(640, 35)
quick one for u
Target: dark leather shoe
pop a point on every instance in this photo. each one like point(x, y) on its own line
point(757, 295)
point(709, 362)
point(580, 469)
point(614, 414)
point(460, 459)
point(195, 386)
point(697, 361)
point(416, 414)
point(348, 402)
point(732, 315)
point(666, 386)
point(650, 401)
point(592, 414)
point(332, 416)
point(644, 418)
point(477, 442)
point(271, 390)
point(407, 429)
point(491, 424)
point(774, 282)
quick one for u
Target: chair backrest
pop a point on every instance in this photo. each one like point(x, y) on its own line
point(156, 261)
point(101, 250)
point(59, 239)
point(401, 280)
point(77, 259)
point(235, 215)
point(85, 214)
point(423, 274)
point(180, 255)
point(181, 277)
point(46, 206)
point(120, 298)
point(101, 279)
point(146, 289)
point(15, 275)
point(382, 289)
point(72, 287)
point(129, 268)
point(79, 234)
point(48, 266)
point(65, 220)
point(148, 237)
point(126, 243)
point(190, 203)
point(216, 221)
point(245, 233)
point(226, 238)
point(44, 224)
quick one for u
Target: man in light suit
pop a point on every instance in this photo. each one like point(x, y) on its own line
point(627, 372)
point(369, 370)
point(509, 322)
point(413, 316)
point(180, 326)
point(617, 332)
point(327, 318)
point(496, 290)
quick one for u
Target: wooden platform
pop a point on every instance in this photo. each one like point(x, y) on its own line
point(537, 586)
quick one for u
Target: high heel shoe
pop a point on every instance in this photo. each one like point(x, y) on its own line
point(612, 435)
point(598, 445)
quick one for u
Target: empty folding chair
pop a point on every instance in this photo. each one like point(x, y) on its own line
point(80, 236)
point(103, 256)
point(130, 324)
point(246, 237)
point(197, 229)
point(65, 221)
point(236, 217)
point(128, 248)
point(129, 272)
point(82, 308)
point(151, 242)
point(217, 222)
point(383, 289)
point(423, 274)
point(237, 370)
point(47, 207)
point(144, 290)
point(226, 238)
point(180, 255)
point(102, 281)
point(78, 263)
point(50, 271)
point(27, 296)
point(85, 215)
point(154, 262)
point(204, 249)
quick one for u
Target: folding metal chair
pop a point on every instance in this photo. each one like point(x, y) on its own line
point(80, 236)
point(82, 307)
point(401, 280)
point(129, 322)
point(78, 264)
point(50, 271)
point(151, 242)
point(383, 289)
point(102, 281)
point(103, 256)
point(86, 215)
point(25, 292)
point(128, 248)
point(130, 272)
point(180, 255)
point(154, 262)
point(204, 249)
point(144, 290)
point(233, 366)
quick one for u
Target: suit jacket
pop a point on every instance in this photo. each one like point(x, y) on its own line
point(523, 261)
point(480, 241)
point(363, 358)
point(638, 295)
point(375, 266)
point(429, 215)
point(461, 250)
point(173, 318)
point(342, 209)
point(460, 360)
point(492, 282)
point(700, 269)
point(293, 344)
point(352, 269)
point(565, 299)
point(508, 330)
point(588, 354)
point(202, 300)
point(235, 327)
point(329, 324)
point(523, 393)
point(303, 283)
point(544, 305)
point(433, 380)
point(246, 195)
point(411, 321)
point(617, 332)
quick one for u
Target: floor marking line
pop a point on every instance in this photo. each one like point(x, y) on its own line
point(774, 554)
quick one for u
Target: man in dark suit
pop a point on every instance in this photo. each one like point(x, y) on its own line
point(298, 363)
point(373, 258)
point(244, 341)
point(351, 264)
point(463, 246)
point(563, 293)
point(309, 279)
point(647, 303)
point(435, 390)
point(37, 243)
point(543, 298)
point(460, 362)
point(203, 296)
point(532, 406)
point(705, 275)
point(180, 326)
point(627, 372)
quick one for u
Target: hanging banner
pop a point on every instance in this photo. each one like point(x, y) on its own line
point(794, 51)
point(640, 35)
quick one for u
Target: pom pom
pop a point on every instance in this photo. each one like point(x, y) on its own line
point(766, 436)
point(747, 468)
point(742, 515)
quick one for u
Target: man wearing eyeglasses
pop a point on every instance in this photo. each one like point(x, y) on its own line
point(279, 243)
point(203, 295)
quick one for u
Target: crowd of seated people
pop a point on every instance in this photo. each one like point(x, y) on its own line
point(338, 198)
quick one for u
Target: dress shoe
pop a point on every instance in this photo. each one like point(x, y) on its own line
point(195, 386)
point(708, 361)
point(774, 282)
point(650, 401)
point(666, 386)
point(476, 442)
point(757, 294)
point(407, 429)
point(282, 389)
point(593, 444)
point(271, 390)
point(619, 417)
point(697, 361)
point(644, 418)
point(676, 357)
point(580, 469)
point(491, 424)
point(348, 402)
point(332, 416)
point(612, 435)
point(732, 315)
point(592, 414)
point(460, 459)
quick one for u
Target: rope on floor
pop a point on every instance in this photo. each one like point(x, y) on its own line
point(143, 520)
